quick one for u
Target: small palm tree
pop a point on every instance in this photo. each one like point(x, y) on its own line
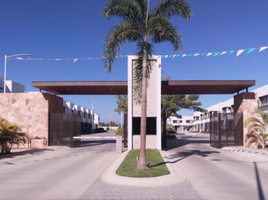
point(144, 28)
point(9, 135)
point(260, 124)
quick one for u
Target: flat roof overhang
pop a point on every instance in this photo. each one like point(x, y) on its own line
point(120, 87)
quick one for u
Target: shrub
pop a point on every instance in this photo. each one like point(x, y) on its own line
point(9, 135)
point(169, 129)
point(119, 131)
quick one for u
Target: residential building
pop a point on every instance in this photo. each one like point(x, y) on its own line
point(201, 121)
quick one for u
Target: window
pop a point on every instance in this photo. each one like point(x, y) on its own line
point(84, 114)
point(79, 112)
point(175, 121)
point(180, 121)
point(89, 116)
point(264, 100)
point(188, 121)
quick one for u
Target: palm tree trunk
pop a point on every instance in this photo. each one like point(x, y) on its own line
point(142, 165)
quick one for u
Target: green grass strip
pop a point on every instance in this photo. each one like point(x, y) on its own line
point(157, 166)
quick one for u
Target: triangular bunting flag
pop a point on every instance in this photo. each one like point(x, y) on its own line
point(19, 58)
point(215, 54)
point(163, 56)
point(67, 59)
point(166, 56)
point(178, 55)
point(184, 55)
point(249, 51)
point(224, 52)
point(174, 56)
point(196, 54)
point(75, 60)
point(209, 54)
point(170, 56)
point(8, 59)
point(203, 54)
point(58, 59)
point(30, 58)
point(231, 53)
point(262, 48)
point(190, 55)
point(239, 52)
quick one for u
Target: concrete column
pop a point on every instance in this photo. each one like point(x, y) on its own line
point(244, 105)
point(153, 104)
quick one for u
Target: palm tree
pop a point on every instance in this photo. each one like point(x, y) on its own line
point(259, 124)
point(144, 28)
point(10, 134)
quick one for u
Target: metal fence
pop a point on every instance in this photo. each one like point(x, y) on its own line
point(62, 128)
point(223, 131)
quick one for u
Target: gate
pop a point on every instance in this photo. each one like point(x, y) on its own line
point(62, 128)
point(224, 131)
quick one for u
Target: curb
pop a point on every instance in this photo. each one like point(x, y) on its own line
point(249, 152)
point(110, 176)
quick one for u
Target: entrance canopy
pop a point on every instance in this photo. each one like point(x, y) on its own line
point(121, 87)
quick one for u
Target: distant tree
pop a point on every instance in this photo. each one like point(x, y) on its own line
point(102, 124)
point(122, 105)
point(171, 104)
point(112, 123)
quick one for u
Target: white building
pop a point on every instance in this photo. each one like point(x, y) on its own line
point(184, 124)
point(11, 86)
point(89, 120)
point(200, 121)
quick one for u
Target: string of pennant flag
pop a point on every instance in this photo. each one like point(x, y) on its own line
point(213, 54)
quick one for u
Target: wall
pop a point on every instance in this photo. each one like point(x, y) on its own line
point(245, 103)
point(153, 101)
point(31, 112)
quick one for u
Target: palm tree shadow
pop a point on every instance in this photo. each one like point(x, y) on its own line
point(24, 152)
point(185, 154)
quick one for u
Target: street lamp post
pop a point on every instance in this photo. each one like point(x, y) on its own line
point(5, 64)
point(93, 115)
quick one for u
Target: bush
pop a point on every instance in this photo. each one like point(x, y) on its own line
point(169, 129)
point(10, 134)
point(119, 131)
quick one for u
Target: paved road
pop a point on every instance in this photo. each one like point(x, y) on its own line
point(64, 173)
point(218, 174)
point(55, 172)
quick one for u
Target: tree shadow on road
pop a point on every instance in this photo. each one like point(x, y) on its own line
point(23, 152)
point(173, 143)
point(178, 156)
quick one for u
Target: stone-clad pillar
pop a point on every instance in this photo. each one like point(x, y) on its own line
point(244, 105)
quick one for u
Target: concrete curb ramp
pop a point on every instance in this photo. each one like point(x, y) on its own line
point(110, 176)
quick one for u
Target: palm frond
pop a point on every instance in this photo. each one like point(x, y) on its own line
point(161, 30)
point(143, 50)
point(119, 35)
point(126, 9)
point(169, 8)
point(252, 120)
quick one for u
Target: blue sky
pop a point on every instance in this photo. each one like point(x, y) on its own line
point(75, 29)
